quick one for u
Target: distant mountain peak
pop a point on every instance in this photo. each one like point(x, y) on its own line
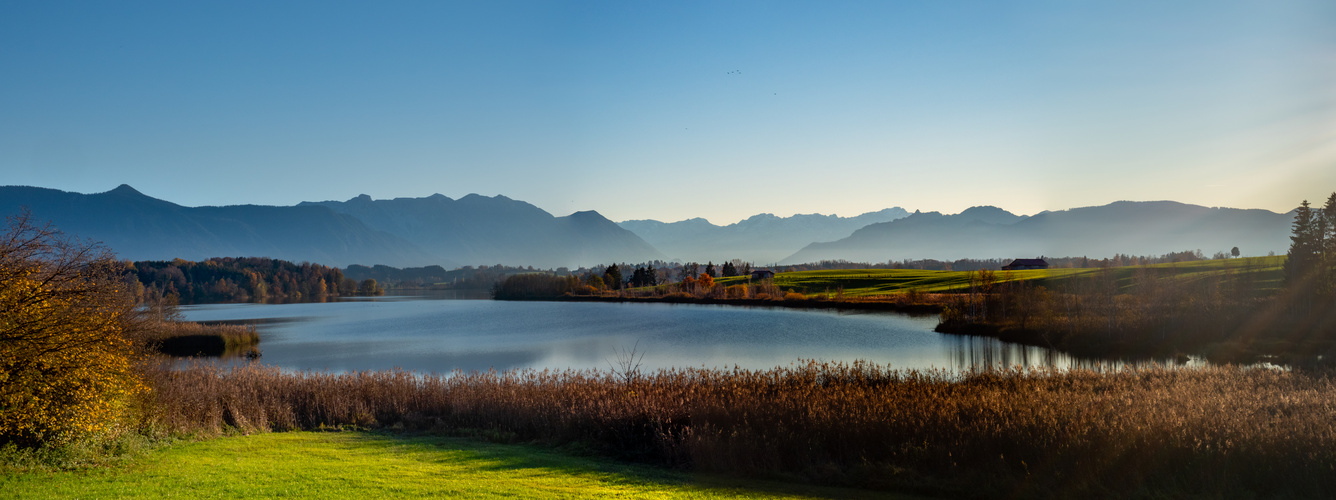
point(989, 214)
point(918, 214)
point(125, 190)
point(762, 216)
point(479, 197)
point(362, 198)
point(587, 214)
point(982, 209)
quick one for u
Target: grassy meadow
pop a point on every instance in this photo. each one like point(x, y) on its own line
point(381, 465)
point(1265, 274)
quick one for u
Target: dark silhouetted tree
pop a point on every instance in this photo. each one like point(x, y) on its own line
point(1329, 224)
point(643, 277)
point(613, 277)
point(1304, 247)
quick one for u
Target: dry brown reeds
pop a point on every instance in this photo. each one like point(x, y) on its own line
point(188, 338)
point(1212, 431)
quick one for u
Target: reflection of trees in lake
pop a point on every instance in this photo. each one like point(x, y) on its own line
point(968, 351)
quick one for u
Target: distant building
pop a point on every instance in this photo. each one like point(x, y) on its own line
point(761, 274)
point(1020, 264)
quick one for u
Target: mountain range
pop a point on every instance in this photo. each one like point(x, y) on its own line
point(402, 232)
point(1126, 227)
point(493, 230)
point(474, 230)
point(763, 238)
point(139, 227)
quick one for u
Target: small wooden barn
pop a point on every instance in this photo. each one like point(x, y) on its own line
point(1020, 264)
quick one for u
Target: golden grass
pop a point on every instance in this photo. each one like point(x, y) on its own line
point(1211, 431)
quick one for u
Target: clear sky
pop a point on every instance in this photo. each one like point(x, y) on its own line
point(670, 110)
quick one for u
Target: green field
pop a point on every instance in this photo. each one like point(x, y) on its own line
point(375, 465)
point(1265, 274)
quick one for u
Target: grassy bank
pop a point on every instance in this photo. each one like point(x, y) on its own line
point(375, 465)
point(1213, 431)
point(1264, 275)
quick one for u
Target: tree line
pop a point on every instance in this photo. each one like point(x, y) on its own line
point(1310, 266)
point(241, 279)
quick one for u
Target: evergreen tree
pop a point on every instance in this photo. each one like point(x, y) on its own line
point(613, 277)
point(640, 277)
point(1304, 247)
point(1326, 261)
point(709, 269)
point(1328, 216)
point(729, 269)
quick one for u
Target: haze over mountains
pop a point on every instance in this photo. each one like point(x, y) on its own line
point(476, 230)
point(139, 227)
point(497, 230)
point(763, 238)
point(1130, 228)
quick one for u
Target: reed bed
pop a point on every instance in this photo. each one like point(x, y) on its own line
point(188, 338)
point(1219, 431)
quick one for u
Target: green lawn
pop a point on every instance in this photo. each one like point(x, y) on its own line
point(1265, 272)
point(375, 465)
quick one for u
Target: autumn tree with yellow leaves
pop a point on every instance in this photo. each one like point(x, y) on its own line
point(66, 326)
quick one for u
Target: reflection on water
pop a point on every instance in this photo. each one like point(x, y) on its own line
point(426, 334)
point(969, 351)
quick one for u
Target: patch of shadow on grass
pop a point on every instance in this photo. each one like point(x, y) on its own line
point(510, 457)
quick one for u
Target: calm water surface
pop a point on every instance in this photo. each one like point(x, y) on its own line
point(429, 334)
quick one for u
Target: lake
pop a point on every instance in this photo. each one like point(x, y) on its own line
point(435, 333)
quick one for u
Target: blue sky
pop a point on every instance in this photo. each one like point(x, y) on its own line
point(671, 110)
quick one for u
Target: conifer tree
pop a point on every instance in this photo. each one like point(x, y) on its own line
point(613, 277)
point(1299, 260)
point(1328, 216)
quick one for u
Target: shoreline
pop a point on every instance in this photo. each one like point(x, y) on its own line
point(914, 309)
